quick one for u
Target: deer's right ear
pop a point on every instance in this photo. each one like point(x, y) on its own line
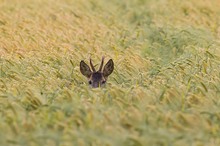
point(84, 69)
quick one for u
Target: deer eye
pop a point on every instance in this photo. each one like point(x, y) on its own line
point(90, 82)
point(103, 82)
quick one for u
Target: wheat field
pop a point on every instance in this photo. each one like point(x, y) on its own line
point(164, 91)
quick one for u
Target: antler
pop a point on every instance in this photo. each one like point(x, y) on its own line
point(100, 68)
point(93, 68)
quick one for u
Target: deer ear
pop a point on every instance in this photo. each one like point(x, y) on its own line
point(108, 68)
point(84, 69)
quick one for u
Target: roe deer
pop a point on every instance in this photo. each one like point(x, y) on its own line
point(97, 78)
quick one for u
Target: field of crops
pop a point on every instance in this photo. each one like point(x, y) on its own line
point(164, 91)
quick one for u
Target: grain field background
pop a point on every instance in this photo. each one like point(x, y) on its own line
point(164, 91)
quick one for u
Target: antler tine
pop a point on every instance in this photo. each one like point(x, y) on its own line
point(100, 68)
point(93, 68)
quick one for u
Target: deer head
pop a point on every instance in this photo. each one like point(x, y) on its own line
point(97, 78)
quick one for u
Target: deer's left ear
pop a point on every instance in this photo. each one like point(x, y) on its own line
point(85, 70)
point(108, 68)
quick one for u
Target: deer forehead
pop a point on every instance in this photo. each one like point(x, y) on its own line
point(97, 76)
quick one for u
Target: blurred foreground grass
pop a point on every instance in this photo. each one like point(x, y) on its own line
point(165, 89)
